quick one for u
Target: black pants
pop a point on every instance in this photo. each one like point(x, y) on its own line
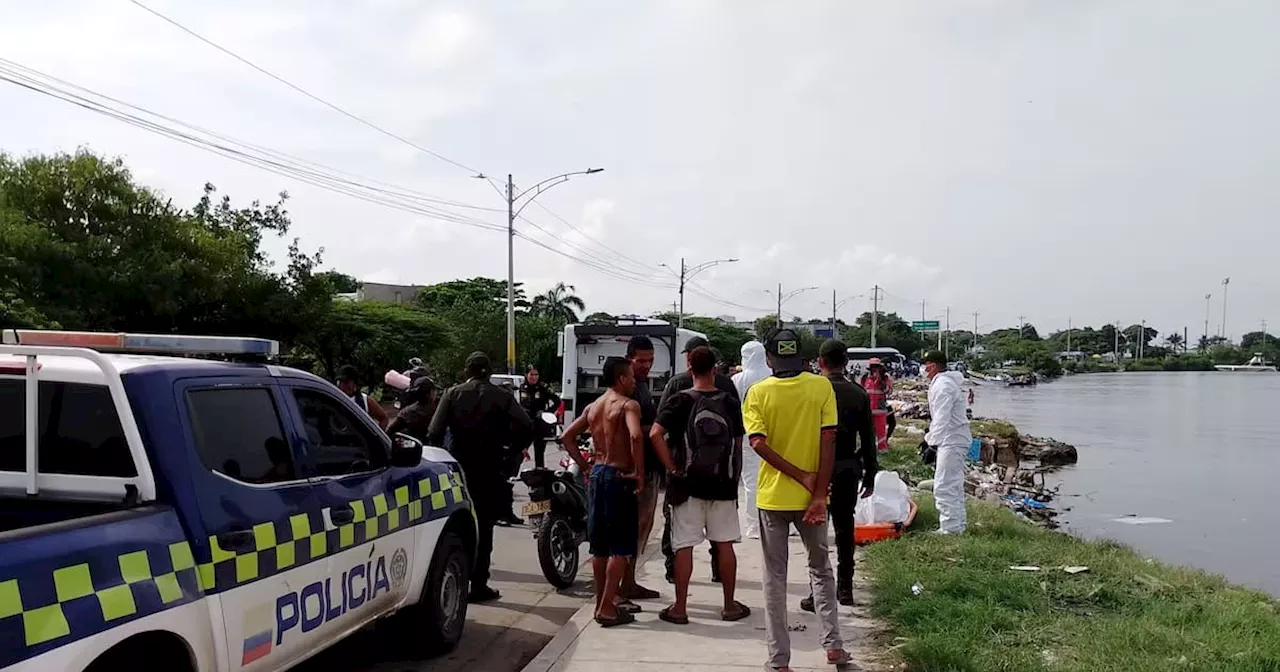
point(510, 468)
point(539, 453)
point(485, 488)
point(844, 497)
point(669, 554)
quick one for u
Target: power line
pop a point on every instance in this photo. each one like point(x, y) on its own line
point(295, 87)
point(236, 150)
point(593, 239)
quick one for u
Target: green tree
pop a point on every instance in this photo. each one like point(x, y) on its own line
point(559, 303)
point(372, 336)
point(341, 282)
point(891, 332)
point(599, 318)
point(85, 247)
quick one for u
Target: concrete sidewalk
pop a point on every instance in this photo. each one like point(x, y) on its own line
point(708, 643)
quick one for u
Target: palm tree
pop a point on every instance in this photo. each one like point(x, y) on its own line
point(1174, 339)
point(559, 302)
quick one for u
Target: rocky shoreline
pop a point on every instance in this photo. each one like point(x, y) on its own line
point(1011, 467)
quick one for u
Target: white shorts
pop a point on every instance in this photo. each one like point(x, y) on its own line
point(699, 519)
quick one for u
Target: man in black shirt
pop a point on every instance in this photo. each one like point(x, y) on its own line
point(705, 426)
point(855, 462)
point(679, 383)
point(640, 353)
point(484, 422)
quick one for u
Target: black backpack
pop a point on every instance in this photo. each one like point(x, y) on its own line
point(709, 438)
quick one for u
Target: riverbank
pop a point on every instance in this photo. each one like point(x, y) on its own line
point(1124, 612)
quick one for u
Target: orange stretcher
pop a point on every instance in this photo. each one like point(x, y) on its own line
point(873, 532)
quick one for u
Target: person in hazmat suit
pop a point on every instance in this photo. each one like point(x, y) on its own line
point(949, 435)
point(754, 369)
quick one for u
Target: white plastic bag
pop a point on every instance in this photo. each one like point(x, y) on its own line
point(889, 504)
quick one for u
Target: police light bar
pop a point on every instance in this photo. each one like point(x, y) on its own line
point(155, 344)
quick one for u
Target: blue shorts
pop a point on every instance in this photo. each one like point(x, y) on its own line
point(613, 514)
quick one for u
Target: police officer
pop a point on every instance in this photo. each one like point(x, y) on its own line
point(418, 406)
point(484, 422)
point(537, 398)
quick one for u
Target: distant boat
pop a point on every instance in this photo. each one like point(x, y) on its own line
point(1256, 365)
point(1021, 380)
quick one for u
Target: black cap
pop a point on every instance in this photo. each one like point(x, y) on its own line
point(477, 364)
point(695, 342)
point(934, 356)
point(784, 345)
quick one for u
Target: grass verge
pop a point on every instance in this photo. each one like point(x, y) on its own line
point(1127, 613)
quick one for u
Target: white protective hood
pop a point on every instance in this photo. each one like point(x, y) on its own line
point(754, 367)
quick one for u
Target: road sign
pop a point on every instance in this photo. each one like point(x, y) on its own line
point(926, 325)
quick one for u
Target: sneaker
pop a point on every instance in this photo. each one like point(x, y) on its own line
point(483, 594)
point(845, 596)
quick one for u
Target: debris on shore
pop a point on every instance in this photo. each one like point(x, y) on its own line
point(1011, 467)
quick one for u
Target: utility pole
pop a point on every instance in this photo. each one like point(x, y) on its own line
point(1142, 340)
point(511, 276)
point(1206, 319)
point(922, 317)
point(1115, 349)
point(779, 305)
point(833, 314)
point(686, 273)
point(946, 345)
point(1184, 340)
point(522, 199)
point(875, 312)
point(1226, 281)
point(975, 330)
point(1021, 322)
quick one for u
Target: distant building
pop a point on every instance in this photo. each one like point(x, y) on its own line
point(376, 291)
point(1071, 355)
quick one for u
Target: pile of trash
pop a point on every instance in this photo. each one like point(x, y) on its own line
point(1020, 488)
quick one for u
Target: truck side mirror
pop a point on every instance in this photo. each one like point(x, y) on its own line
point(406, 451)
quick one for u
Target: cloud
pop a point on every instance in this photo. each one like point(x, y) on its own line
point(441, 37)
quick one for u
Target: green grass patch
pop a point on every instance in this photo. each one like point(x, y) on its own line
point(996, 429)
point(1126, 614)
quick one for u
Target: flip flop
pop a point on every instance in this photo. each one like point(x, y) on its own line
point(665, 615)
point(742, 612)
point(623, 618)
point(627, 606)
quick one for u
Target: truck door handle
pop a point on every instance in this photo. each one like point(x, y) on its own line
point(236, 540)
point(342, 515)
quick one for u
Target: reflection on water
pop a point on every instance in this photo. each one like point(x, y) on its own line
point(1198, 449)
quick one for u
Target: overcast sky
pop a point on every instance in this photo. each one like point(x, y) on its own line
point(1103, 160)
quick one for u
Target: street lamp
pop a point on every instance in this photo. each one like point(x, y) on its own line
point(686, 273)
point(523, 199)
point(835, 306)
point(783, 297)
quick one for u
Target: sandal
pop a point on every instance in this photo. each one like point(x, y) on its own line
point(844, 658)
point(623, 618)
point(740, 612)
point(627, 606)
point(642, 593)
point(667, 616)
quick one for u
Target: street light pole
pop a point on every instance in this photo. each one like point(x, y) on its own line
point(1205, 344)
point(513, 199)
point(783, 297)
point(1225, 282)
point(686, 274)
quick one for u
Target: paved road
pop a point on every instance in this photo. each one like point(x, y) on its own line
point(500, 636)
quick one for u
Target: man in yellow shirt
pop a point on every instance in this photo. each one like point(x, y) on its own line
point(791, 422)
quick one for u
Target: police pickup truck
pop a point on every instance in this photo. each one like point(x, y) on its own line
point(166, 512)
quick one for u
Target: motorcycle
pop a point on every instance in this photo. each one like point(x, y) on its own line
point(557, 512)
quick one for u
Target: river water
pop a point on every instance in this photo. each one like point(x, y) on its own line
point(1197, 449)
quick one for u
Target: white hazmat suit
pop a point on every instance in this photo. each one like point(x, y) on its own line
point(754, 369)
point(949, 433)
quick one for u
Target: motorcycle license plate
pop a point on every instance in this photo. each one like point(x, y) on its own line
point(536, 508)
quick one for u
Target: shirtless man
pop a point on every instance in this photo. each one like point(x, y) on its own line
point(613, 509)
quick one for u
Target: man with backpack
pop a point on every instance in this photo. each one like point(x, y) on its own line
point(679, 383)
point(705, 424)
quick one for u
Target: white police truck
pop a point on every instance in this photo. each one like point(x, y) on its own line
point(164, 512)
point(585, 347)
